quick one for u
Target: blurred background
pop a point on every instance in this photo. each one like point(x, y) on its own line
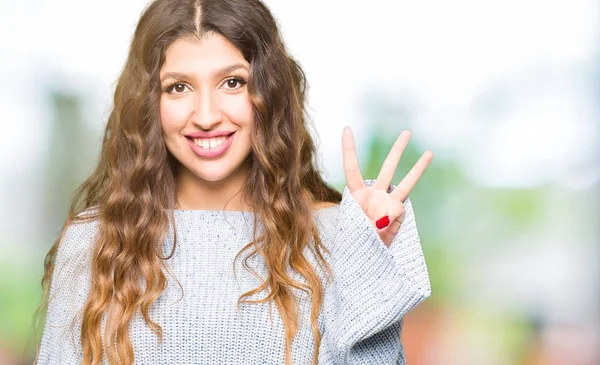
point(505, 93)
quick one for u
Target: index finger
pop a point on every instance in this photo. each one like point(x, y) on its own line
point(354, 179)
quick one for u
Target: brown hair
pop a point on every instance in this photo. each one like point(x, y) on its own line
point(133, 185)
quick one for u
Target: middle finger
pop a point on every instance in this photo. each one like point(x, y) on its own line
point(388, 169)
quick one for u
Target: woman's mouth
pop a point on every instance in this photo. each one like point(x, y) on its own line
point(210, 147)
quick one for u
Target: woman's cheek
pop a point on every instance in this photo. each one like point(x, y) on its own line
point(172, 115)
point(242, 110)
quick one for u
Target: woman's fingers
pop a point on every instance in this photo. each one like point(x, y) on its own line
point(404, 188)
point(388, 169)
point(354, 178)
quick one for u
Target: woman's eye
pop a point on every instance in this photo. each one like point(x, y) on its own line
point(177, 88)
point(235, 83)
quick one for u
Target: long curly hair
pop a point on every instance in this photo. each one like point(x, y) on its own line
point(133, 185)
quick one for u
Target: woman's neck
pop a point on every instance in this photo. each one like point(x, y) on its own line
point(226, 194)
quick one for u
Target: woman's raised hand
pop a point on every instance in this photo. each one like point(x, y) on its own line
point(375, 200)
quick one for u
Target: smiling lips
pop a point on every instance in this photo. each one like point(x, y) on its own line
point(212, 134)
point(212, 144)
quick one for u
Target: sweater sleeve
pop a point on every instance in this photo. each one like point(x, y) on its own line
point(60, 343)
point(373, 287)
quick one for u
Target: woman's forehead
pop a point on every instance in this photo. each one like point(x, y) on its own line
point(208, 57)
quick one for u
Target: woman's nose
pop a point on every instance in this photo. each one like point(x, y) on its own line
point(207, 112)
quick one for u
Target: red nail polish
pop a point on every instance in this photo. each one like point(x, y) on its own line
point(383, 222)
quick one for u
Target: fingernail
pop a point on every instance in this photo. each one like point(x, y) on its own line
point(383, 222)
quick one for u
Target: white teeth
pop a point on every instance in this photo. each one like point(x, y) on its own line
point(209, 143)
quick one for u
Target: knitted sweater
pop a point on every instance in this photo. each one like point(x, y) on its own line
point(373, 287)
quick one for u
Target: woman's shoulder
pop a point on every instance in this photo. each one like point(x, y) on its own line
point(79, 236)
point(325, 216)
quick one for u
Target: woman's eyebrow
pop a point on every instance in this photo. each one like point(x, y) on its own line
point(220, 72)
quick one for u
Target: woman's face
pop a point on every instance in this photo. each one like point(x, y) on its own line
point(204, 100)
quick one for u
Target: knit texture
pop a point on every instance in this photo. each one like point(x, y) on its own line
point(360, 322)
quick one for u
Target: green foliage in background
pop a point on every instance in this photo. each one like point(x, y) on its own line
point(20, 292)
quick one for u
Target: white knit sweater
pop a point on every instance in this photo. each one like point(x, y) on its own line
point(361, 318)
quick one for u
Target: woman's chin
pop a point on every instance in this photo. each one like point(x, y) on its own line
point(212, 175)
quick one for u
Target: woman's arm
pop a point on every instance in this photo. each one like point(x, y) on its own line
point(60, 344)
point(373, 287)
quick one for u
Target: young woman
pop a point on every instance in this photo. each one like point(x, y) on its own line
point(206, 156)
